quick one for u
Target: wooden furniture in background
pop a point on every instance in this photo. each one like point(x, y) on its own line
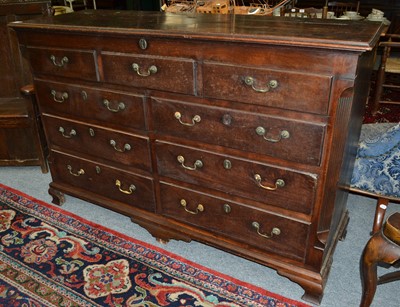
point(22, 140)
point(390, 64)
point(382, 248)
point(205, 128)
point(341, 7)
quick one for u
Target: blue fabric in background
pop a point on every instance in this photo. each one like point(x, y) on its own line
point(377, 166)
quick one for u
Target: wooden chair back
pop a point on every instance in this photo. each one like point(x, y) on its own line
point(341, 7)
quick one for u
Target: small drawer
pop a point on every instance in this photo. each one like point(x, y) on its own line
point(266, 184)
point(132, 189)
point(274, 88)
point(257, 228)
point(287, 139)
point(160, 73)
point(78, 64)
point(130, 150)
point(117, 109)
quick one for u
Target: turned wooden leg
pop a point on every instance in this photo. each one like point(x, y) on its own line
point(378, 249)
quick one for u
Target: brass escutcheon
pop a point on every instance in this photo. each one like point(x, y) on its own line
point(227, 208)
point(143, 44)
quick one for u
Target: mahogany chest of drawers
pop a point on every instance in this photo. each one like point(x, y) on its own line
point(236, 131)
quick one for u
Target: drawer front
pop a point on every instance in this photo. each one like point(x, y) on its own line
point(114, 108)
point(264, 183)
point(273, 88)
point(113, 183)
point(132, 151)
point(78, 64)
point(160, 73)
point(236, 221)
point(282, 138)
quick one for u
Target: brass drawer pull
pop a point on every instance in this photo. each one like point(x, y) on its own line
point(200, 207)
point(63, 61)
point(63, 96)
point(131, 187)
point(151, 70)
point(197, 164)
point(120, 106)
point(250, 81)
point(126, 147)
point(77, 174)
point(275, 231)
point(195, 119)
point(284, 134)
point(279, 183)
point(68, 136)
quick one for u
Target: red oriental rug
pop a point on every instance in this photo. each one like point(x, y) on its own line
point(49, 257)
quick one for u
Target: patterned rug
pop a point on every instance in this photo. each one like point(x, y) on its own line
point(49, 257)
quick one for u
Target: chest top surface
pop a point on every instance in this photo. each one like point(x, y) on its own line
point(320, 33)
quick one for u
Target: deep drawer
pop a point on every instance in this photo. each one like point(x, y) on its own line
point(160, 73)
point(282, 138)
point(236, 221)
point(79, 64)
point(130, 150)
point(114, 108)
point(283, 188)
point(113, 183)
point(282, 89)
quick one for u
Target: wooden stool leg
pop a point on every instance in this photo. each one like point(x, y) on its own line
point(380, 211)
point(378, 249)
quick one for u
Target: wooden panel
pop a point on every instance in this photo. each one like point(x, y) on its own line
point(285, 139)
point(109, 182)
point(255, 85)
point(131, 151)
point(169, 74)
point(237, 177)
point(237, 223)
point(66, 62)
point(93, 104)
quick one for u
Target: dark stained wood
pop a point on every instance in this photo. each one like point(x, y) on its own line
point(22, 141)
point(382, 248)
point(190, 100)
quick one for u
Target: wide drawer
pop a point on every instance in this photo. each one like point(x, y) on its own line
point(274, 88)
point(78, 64)
point(236, 221)
point(278, 137)
point(160, 73)
point(114, 108)
point(116, 184)
point(130, 150)
point(267, 184)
